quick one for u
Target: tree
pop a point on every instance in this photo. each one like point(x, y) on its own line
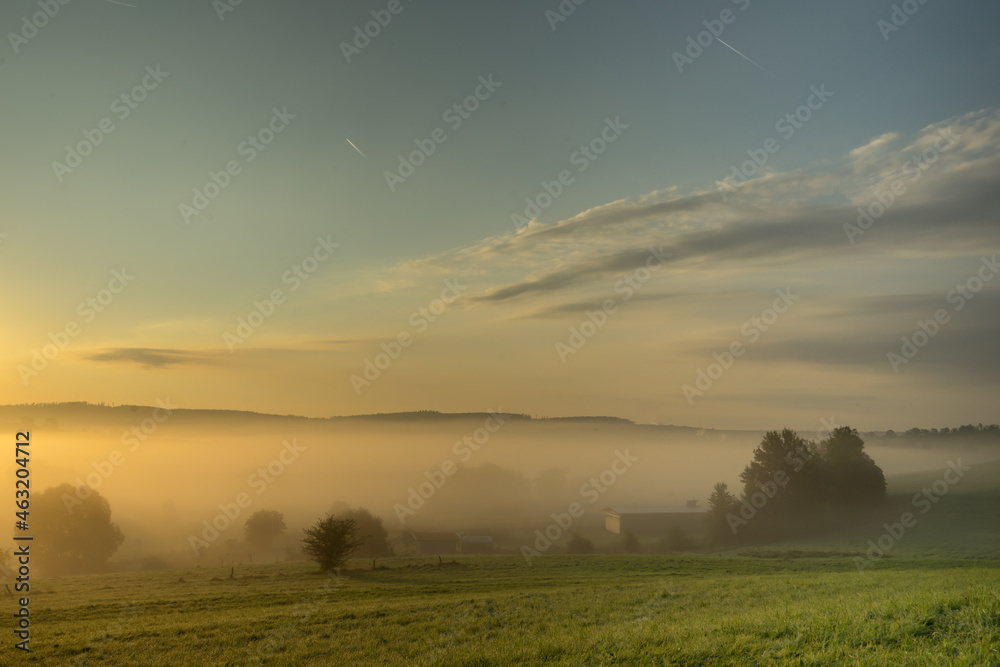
point(781, 457)
point(794, 486)
point(330, 541)
point(371, 530)
point(73, 530)
point(721, 504)
point(784, 486)
point(262, 528)
point(854, 479)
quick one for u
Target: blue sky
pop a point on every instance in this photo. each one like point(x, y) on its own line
point(557, 88)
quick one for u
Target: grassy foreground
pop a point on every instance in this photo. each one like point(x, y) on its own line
point(494, 610)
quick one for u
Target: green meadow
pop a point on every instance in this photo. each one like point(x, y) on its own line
point(932, 598)
point(496, 610)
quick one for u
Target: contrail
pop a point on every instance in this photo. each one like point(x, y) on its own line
point(357, 149)
point(745, 58)
point(120, 3)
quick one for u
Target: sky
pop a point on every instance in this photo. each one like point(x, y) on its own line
point(512, 206)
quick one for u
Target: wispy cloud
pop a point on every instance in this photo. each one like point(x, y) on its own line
point(150, 357)
point(780, 219)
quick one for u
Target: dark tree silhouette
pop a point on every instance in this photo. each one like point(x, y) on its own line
point(73, 530)
point(721, 504)
point(780, 453)
point(787, 471)
point(262, 528)
point(853, 478)
point(794, 486)
point(330, 541)
point(371, 530)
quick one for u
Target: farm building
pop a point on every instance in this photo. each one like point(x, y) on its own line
point(642, 521)
point(435, 544)
point(476, 544)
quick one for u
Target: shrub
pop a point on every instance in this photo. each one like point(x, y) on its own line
point(330, 541)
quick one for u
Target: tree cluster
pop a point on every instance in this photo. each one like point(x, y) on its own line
point(345, 533)
point(966, 431)
point(262, 529)
point(371, 532)
point(794, 486)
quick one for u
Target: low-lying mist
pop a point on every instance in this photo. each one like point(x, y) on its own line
point(169, 475)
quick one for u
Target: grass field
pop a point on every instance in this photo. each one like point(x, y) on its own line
point(495, 610)
point(933, 599)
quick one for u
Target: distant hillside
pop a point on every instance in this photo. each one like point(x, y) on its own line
point(90, 414)
point(915, 437)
